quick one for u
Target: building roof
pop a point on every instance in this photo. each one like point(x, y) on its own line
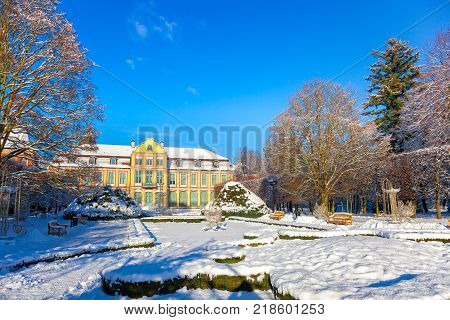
point(110, 150)
point(192, 153)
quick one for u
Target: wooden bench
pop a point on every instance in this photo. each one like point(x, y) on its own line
point(340, 219)
point(56, 229)
point(277, 215)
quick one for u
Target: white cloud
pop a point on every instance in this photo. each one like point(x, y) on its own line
point(141, 29)
point(131, 63)
point(192, 90)
point(164, 27)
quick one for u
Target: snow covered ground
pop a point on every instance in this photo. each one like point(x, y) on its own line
point(331, 267)
point(93, 236)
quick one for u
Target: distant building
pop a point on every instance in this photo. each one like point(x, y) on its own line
point(158, 176)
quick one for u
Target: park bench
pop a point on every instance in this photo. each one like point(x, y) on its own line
point(56, 229)
point(340, 218)
point(277, 215)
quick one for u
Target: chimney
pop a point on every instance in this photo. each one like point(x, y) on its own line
point(133, 143)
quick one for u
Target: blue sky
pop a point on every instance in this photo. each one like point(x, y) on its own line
point(216, 64)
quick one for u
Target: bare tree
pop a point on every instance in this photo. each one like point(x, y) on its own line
point(46, 93)
point(319, 142)
point(426, 119)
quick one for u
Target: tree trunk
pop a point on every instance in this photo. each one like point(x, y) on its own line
point(377, 206)
point(438, 205)
point(424, 204)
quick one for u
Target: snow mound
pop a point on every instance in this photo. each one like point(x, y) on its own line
point(105, 203)
point(374, 224)
point(235, 199)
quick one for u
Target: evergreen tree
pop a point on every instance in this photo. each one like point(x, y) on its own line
point(392, 75)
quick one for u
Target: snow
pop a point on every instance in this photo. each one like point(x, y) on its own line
point(338, 265)
point(91, 237)
point(192, 153)
point(333, 267)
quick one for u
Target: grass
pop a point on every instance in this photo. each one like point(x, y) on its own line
point(285, 237)
point(201, 281)
point(230, 260)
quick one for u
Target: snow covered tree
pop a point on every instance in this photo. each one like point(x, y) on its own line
point(45, 88)
point(426, 114)
point(392, 76)
point(426, 118)
point(319, 142)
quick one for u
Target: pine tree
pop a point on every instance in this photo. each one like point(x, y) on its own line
point(392, 76)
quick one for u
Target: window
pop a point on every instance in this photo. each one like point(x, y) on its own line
point(92, 160)
point(122, 178)
point(100, 177)
point(149, 147)
point(137, 176)
point(224, 177)
point(179, 163)
point(173, 199)
point(194, 199)
point(112, 160)
point(138, 197)
point(71, 159)
point(158, 198)
point(183, 181)
point(193, 179)
point(173, 179)
point(159, 162)
point(213, 196)
point(111, 177)
point(204, 180)
point(149, 162)
point(198, 163)
point(215, 164)
point(203, 198)
point(139, 161)
point(183, 198)
point(213, 179)
point(159, 177)
point(148, 198)
point(148, 177)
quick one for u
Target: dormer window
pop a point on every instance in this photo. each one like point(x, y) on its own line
point(113, 161)
point(179, 163)
point(215, 164)
point(198, 163)
point(149, 147)
point(92, 160)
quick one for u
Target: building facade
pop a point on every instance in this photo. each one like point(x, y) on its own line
point(158, 176)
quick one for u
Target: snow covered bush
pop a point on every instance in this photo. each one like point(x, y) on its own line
point(235, 199)
point(104, 204)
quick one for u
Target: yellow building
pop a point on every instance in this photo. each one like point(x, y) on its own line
point(158, 176)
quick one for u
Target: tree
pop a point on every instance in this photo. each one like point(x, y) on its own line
point(249, 163)
point(45, 88)
point(426, 118)
point(426, 114)
point(392, 76)
point(319, 142)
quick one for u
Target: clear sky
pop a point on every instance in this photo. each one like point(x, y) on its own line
point(213, 65)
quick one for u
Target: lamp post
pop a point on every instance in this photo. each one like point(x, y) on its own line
point(272, 180)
